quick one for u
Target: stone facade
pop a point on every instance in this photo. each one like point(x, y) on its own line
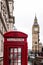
point(40, 47)
point(6, 22)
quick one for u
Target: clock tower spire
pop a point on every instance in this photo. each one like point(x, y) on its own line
point(35, 19)
point(35, 36)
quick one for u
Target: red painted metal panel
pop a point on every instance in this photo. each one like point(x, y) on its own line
point(15, 34)
point(15, 44)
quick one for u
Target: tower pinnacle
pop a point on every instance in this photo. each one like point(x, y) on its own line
point(35, 20)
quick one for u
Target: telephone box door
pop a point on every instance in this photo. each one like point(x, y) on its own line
point(15, 55)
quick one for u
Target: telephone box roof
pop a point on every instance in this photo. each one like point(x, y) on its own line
point(15, 34)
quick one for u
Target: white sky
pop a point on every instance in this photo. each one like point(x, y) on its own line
point(24, 12)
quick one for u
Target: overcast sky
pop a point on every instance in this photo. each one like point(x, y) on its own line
point(24, 12)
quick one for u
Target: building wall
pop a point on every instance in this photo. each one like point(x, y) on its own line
point(40, 47)
point(4, 13)
point(6, 22)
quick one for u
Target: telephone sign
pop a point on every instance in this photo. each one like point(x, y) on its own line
point(15, 48)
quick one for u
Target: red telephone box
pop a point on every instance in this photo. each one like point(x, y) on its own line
point(15, 48)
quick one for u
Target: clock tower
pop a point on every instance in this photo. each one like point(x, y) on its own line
point(35, 36)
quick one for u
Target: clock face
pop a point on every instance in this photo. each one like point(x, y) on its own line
point(35, 29)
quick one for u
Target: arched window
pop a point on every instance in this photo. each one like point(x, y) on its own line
point(35, 42)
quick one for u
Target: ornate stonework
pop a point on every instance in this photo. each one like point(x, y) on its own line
point(36, 45)
point(35, 36)
point(6, 21)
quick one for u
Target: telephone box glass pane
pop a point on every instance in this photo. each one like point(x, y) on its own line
point(15, 63)
point(11, 62)
point(15, 49)
point(19, 57)
point(15, 56)
point(19, 49)
point(19, 63)
point(19, 60)
point(11, 50)
point(11, 55)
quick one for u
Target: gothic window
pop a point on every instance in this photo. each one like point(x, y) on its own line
point(35, 42)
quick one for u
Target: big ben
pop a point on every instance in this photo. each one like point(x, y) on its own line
point(35, 36)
